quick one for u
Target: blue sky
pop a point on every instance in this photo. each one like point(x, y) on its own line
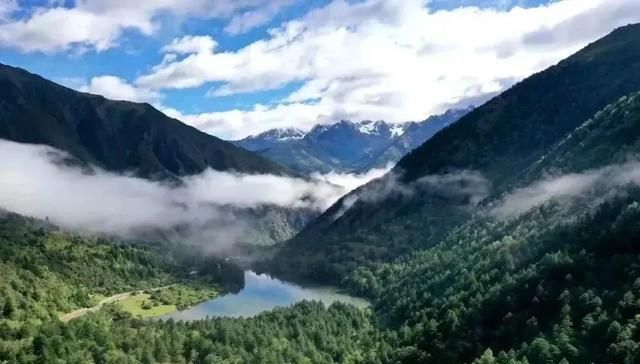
point(239, 67)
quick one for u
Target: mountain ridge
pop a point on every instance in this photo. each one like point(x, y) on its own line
point(346, 146)
point(120, 136)
point(134, 139)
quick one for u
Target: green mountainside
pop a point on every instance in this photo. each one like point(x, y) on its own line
point(558, 282)
point(498, 140)
point(45, 271)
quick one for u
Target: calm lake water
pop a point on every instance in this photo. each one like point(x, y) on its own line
point(262, 293)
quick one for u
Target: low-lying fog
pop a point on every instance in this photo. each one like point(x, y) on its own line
point(34, 181)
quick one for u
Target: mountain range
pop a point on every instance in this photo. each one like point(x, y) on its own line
point(347, 146)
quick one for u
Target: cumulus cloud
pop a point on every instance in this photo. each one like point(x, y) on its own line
point(246, 21)
point(116, 88)
point(191, 44)
point(99, 24)
point(73, 27)
point(39, 181)
point(236, 124)
point(591, 24)
point(6, 8)
point(351, 181)
point(396, 60)
point(568, 188)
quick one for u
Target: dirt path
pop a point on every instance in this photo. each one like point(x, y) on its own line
point(111, 299)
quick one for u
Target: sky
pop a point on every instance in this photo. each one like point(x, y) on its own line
point(234, 68)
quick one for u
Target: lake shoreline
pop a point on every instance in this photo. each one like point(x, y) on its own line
point(262, 293)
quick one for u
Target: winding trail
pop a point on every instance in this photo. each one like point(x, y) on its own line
point(105, 301)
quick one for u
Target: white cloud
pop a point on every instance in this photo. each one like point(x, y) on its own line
point(464, 189)
point(73, 27)
point(191, 44)
point(116, 88)
point(98, 24)
point(7, 7)
point(35, 181)
point(387, 59)
point(246, 21)
point(598, 184)
point(351, 181)
point(235, 124)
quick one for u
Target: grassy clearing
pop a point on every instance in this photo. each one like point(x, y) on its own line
point(164, 301)
point(142, 306)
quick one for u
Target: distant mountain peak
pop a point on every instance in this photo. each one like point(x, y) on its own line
point(374, 127)
point(346, 145)
point(398, 129)
point(280, 135)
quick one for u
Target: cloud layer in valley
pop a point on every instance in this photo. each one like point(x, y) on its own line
point(598, 184)
point(36, 181)
point(351, 181)
point(464, 188)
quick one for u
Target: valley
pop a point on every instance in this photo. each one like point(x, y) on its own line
point(502, 233)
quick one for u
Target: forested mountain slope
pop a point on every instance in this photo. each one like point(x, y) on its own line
point(553, 281)
point(45, 272)
point(498, 141)
point(115, 135)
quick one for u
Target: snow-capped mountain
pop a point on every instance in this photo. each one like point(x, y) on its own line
point(272, 137)
point(373, 128)
point(346, 146)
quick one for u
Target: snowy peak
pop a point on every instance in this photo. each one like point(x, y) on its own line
point(271, 138)
point(379, 128)
point(280, 135)
point(398, 129)
point(346, 145)
point(370, 128)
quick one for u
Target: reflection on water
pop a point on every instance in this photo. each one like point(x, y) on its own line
point(262, 293)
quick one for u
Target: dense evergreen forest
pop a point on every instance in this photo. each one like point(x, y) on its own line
point(538, 262)
point(305, 333)
point(45, 272)
point(556, 284)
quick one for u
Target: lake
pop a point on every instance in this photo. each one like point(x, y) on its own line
point(262, 293)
